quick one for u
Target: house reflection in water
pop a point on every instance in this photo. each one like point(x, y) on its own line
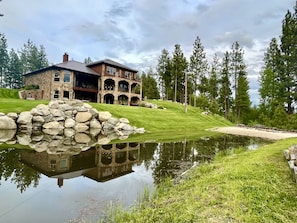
point(100, 163)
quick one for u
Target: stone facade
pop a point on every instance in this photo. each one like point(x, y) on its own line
point(104, 81)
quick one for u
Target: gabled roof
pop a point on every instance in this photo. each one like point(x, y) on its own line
point(68, 65)
point(111, 62)
point(76, 66)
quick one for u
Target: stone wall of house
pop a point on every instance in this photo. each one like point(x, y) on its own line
point(43, 80)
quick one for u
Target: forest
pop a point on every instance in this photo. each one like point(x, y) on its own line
point(220, 86)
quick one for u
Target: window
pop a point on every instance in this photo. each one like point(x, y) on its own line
point(66, 94)
point(57, 76)
point(111, 70)
point(128, 74)
point(56, 94)
point(66, 76)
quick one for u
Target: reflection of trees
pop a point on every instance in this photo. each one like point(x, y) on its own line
point(147, 151)
point(20, 174)
point(174, 158)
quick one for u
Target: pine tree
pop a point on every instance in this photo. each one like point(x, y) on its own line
point(242, 101)
point(225, 93)
point(213, 83)
point(289, 56)
point(149, 85)
point(164, 73)
point(4, 58)
point(32, 57)
point(198, 67)
point(272, 86)
point(14, 78)
point(179, 67)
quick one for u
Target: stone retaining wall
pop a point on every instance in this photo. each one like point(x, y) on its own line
point(71, 119)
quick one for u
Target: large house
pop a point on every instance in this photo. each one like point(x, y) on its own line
point(104, 81)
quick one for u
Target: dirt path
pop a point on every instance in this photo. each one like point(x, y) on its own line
point(253, 132)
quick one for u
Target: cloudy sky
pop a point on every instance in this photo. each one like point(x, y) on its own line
point(134, 32)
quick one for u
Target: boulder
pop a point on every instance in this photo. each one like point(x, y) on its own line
point(81, 127)
point(82, 138)
point(38, 118)
point(69, 123)
point(13, 115)
point(7, 135)
point(56, 112)
point(7, 123)
point(104, 116)
point(25, 118)
point(83, 117)
point(94, 123)
point(53, 125)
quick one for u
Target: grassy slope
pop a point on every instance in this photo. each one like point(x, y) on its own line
point(171, 123)
point(253, 186)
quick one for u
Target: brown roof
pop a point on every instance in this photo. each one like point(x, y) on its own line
point(69, 65)
point(113, 63)
point(76, 66)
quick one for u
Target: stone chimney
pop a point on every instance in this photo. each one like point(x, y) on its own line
point(65, 57)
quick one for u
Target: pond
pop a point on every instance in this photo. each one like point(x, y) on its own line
point(75, 186)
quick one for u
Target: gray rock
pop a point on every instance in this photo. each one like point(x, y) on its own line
point(52, 132)
point(103, 140)
point(69, 132)
point(124, 120)
point(53, 125)
point(56, 112)
point(35, 111)
point(13, 115)
point(7, 135)
point(104, 116)
point(81, 127)
point(82, 138)
point(38, 118)
point(83, 117)
point(25, 118)
point(44, 109)
point(7, 123)
point(69, 123)
point(24, 139)
point(94, 123)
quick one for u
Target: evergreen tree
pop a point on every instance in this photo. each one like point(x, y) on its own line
point(149, 86)
point(4, 58)
point(237, 64)
point(242, 101)
point(164, 74)
point(289, 56)
point(88, 60)
point(225, 94)
point(32, 57)
point(14, 78)
point(179, 67)
point(272, 86)
point(213, 83)
point(198, 67)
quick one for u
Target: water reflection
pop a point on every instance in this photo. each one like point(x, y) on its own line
point(106, 162)
point(78, 182)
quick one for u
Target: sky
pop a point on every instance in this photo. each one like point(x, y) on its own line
point(134, 32)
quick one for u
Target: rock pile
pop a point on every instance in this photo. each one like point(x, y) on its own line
point(291, 155)
point(66, 123)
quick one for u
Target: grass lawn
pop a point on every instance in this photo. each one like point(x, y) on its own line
point(253, 186)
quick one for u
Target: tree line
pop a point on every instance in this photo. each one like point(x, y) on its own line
point(278, 77)
point(15, 63)
point(220, 87)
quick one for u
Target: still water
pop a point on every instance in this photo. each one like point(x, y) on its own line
point(72, 186)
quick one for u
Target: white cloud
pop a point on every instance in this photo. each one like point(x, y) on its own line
point(135, 32)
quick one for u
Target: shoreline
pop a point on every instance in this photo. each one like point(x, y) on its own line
point(253, 132)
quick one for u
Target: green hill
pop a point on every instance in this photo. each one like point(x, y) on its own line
point(168, 122)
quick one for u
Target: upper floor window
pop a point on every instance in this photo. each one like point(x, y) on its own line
point(111, 70)
point(128, 74)
point(57, 76)
point(66, 76)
